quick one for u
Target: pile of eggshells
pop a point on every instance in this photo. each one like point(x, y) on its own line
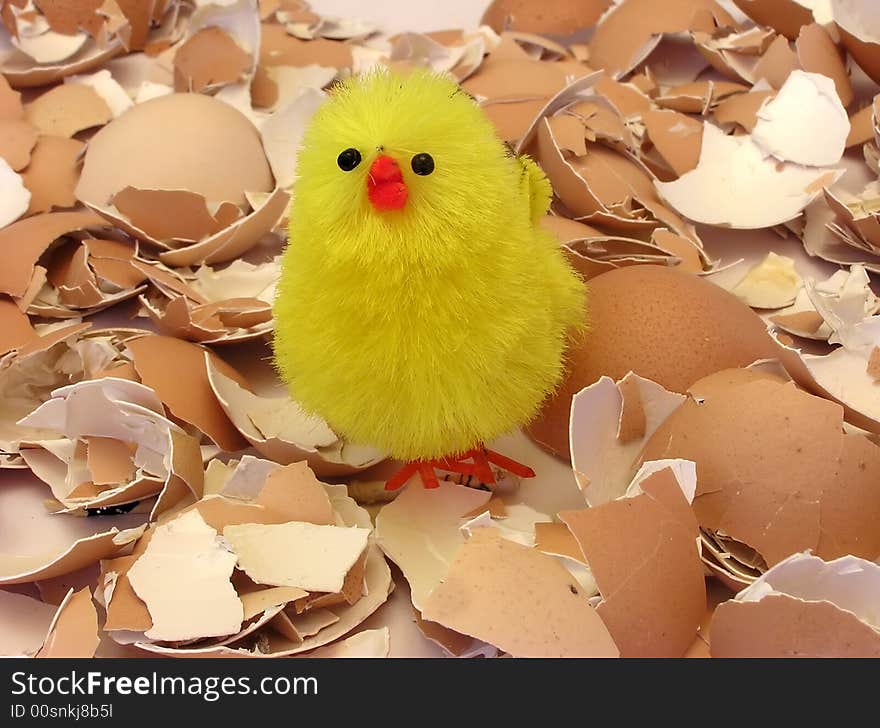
point(708, 474)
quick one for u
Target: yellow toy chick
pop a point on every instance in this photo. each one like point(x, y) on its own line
point(421, 309)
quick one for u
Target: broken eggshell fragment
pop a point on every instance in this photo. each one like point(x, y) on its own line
point(803, 607)
point(752, 517)
point(280, 429)
point(677, 337)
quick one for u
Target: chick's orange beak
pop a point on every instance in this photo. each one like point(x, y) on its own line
point(385, 185)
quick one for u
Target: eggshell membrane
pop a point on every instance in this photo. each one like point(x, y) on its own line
point(775, 470)
point(562, 17)
point(663, 324)
point(215, 151)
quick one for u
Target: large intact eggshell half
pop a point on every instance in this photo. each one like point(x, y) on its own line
point(176, 142)
point(667, 326)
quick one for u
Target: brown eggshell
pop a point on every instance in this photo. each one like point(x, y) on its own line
point(784, 16)
point(562, 17)
point(214, 151)
point(775, 471)
point(665, 325)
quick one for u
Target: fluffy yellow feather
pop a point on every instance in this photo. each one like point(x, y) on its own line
point(429, 329)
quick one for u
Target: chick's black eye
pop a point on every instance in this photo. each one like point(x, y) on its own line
point(348, 159)
point(423, 163)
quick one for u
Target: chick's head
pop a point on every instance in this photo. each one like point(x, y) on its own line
point(401, 170)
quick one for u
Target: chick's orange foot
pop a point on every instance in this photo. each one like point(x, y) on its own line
point(476, 463)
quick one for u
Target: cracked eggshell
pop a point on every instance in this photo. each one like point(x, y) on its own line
point(176, 371)
point(187, 603)
point(628, 33)
point(15, 327)
point(17, 140)
point(74, 628)
point(52, 173)
point(555, 620)
point(22, 71)
point(804, 123)
point(269, 642)
point(859, 214)
point(845, 375)
point(279, 429)
point(742, 109)
point(861, 127)
point(117, 436)
point(803, 607)
point(557, 17)
point(665, 325)
point(208, 59)
point(318, 557)
point(14, 196)
point(68, 109)
point(735, 185)
point(213, 305)
point(55, 356)
point(698, 97)
point(677, 137)
point(216, 150)
point(823, 237)
point(643, 551)
point(246, 491)
point(238, 238)
point(784, 16)
point(773, 283)
point(27, 240)
point(278, 48)
point(420, 532)
point(776, 472)
point(817, 53)
point(26, 623)
point(368, 643)
point(610, 423)
point(36, 544)
point(859, 24)
point(83, 277)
